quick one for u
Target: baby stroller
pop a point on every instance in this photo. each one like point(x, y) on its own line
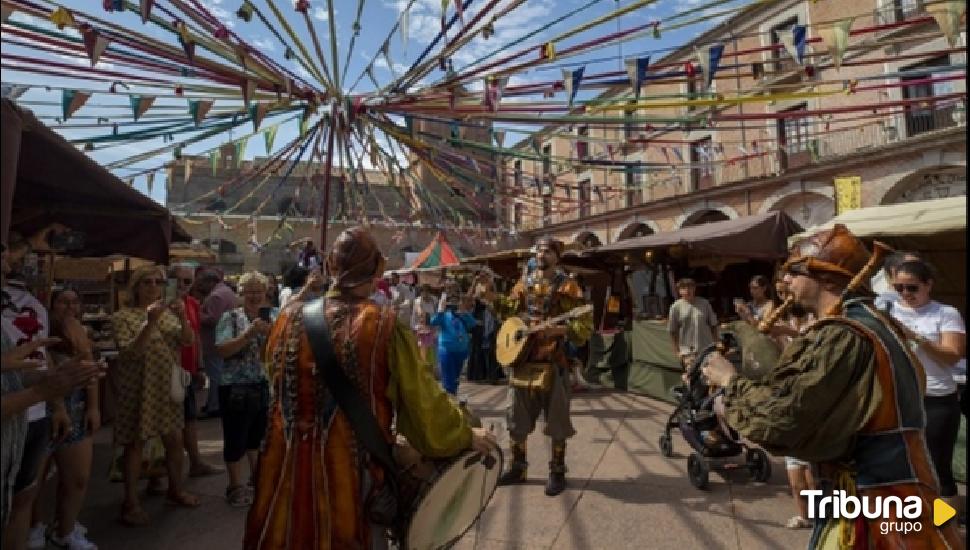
point(715, 445)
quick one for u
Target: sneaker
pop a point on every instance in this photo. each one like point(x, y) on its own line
point(37, 538)
point(75, 541)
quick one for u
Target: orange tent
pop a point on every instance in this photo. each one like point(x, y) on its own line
point(437, 254)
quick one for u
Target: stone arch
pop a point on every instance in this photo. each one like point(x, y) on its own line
point(587, 239)
point(703, 212)
point(636, 229)
point(928, 183)
point(808, 208)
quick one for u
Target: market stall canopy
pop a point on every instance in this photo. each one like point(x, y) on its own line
point(437, 254)
point(760, 236)
point(937, 229)
point(45, 179)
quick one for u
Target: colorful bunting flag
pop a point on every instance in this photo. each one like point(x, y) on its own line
point(198, 108)
point(499, 137)
point(245, 11)
point(248, 91)
point(571, 81)
point(948, 16)
point(636, 69)
point(140, 104)
point(257, 111)
point(71, 101)
point(836, 39)
point(240, 147)
point(709, 57)
point(547, 51)
point(145, 9)
point(794, 42)
point(62, 18)
point(269, 136)
point(94, 43)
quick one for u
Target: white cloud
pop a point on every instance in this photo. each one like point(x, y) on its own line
point(84, 61)
point(320, 14)
point(265, 44)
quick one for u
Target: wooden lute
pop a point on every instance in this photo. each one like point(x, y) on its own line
point(514, 335)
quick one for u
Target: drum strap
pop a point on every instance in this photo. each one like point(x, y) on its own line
point(347, 396)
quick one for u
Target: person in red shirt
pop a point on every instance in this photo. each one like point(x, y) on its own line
point(191, 360)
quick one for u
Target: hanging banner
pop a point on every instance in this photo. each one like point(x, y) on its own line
point(240, 146)
point(269, 136)
point(848, 194)
point(198, 108)
point(62, 18)
point(71, 101)
point(140, 104)
point(836, 39)
point(257, 111)
point(493, 90)
point(547, 51)
point(794, 42)
point(499, 137)
point(636, 69)
point(709, 58)
point(948, 16)
point(145, 9)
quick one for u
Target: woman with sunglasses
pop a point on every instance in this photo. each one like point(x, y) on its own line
point(938, 337)
point(150, 334)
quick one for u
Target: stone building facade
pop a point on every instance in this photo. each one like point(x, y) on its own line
point(696, 174)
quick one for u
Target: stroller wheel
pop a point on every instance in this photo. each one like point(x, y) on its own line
point(666, 445)
point(759, 465)
point(697, 471)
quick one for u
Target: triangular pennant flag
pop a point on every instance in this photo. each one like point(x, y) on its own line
point(304, 123)
point(710, 59)
point(150, 181)
point(94, 43)
point(547, 51)
point(636, 69)
point(257, 111)
point(500, 138)
point(269, 136)
point(248, 91)
point(214, 156)
point(62, 18)
point(145, 8)
point(836, 39)
point(947, 16)
point(571, 80)
point(14, 91)
point(245, 11)
point(795, 43)
point(186, 40)
point(656, 30)
point(240, 146)
point(72, 100)
point(198, 108)
point(5, 12)
point(187, 170)
point(140, 104)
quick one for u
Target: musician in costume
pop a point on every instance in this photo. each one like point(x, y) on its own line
point(540, 382)
point(846, 395)
point(315, 483)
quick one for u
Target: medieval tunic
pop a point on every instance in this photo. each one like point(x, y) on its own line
point(312, 482)
point(847, 396)
point(542, 300)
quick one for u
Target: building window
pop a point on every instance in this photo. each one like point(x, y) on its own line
point(634, 191)
point(895, 11)
point(584, 199)
point(779, 54)
point(921, 118)
point(794, 138)
point(700, 164)
point(547, 159)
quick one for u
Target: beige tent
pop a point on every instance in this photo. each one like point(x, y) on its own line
point(937, 229)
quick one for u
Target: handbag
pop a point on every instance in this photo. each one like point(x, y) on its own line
point(180, 380)
point(383, 506)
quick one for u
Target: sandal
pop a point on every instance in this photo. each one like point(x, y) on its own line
point(133, 516)
point(183, 499)
point(798, 522)
point(238, 496)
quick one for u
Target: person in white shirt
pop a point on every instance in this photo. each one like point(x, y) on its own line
point(425, 306)
point(938, 338)
point(402, 298)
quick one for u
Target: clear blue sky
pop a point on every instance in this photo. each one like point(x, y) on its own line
point(379, 16)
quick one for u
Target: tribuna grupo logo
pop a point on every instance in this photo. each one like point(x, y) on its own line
point(898, 514)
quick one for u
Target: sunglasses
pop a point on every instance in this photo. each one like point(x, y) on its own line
point(156, 282)
point(800, 268)
point(912, 289)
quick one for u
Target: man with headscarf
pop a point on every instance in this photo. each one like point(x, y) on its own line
point(314, 486)
point(541, 382)
point(847, 396)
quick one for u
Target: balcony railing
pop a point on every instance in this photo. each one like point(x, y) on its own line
point(898, 10)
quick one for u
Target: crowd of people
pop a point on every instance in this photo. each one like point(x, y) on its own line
point(232, 349)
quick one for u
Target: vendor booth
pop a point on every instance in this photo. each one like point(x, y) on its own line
point(635, 352)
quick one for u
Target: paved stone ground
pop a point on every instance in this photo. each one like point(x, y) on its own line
point(622, 492)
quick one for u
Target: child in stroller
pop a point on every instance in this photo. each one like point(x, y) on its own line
point(714, 444)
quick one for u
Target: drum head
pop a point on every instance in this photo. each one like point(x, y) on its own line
point(454, 502)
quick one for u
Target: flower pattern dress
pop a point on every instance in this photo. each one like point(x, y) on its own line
point(145, 406)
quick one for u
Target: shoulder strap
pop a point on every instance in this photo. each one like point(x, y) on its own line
point(348, 397)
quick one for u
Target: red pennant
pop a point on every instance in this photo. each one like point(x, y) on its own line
point(689, 69)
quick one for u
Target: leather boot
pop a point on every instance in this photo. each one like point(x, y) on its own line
point(557, 469)
point(518, 469)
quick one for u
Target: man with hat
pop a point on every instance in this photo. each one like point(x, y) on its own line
point(316, 486)
point(541, 383)
point(847, 396)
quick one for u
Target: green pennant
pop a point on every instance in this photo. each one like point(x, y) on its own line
point(304, 122)
point(269, 136)
point(240, 146)
point(198, 108)
point(214, 160)
point(71, 101)
point(656, 31)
